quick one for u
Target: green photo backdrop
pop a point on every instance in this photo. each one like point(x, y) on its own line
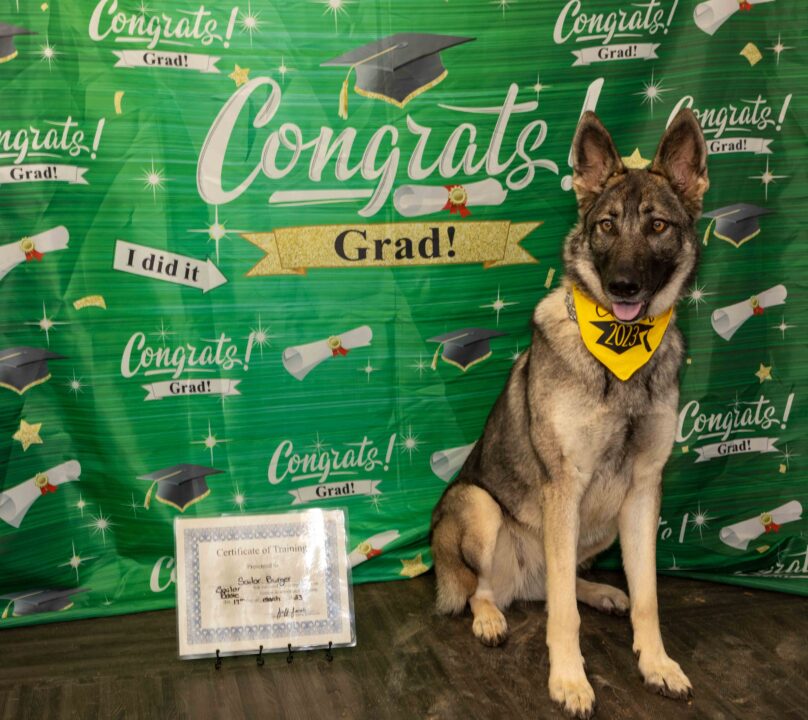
point(230, 231)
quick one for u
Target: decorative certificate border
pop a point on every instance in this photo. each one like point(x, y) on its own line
point(295, 630)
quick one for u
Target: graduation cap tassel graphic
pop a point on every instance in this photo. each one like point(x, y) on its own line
point(343, 94)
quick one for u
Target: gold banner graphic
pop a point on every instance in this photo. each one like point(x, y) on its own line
point(291, 251)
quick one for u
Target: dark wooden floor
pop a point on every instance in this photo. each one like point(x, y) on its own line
point(746, 653)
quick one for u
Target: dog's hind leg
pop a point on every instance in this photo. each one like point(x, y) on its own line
point(602, 597)
point(483, 520)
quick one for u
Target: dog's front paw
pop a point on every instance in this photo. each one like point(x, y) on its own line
point(573, 692)
point(665, 676)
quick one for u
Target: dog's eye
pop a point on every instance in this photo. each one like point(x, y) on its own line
point(606, 225)
point(659, 226)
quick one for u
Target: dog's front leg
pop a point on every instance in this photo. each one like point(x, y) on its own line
point(560, 520)
point(639, 519)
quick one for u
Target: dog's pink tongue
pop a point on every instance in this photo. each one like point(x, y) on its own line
point(626, 312)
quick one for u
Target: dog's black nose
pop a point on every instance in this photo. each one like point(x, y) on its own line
point(623, 287)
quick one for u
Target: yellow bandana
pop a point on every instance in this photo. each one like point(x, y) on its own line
point(622, 347)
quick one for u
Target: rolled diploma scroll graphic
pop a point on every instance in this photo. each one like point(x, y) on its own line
point(445, 463)
point(415, 200)
point(300, 360)
point(727, 320)
point(376, 542)
point(711, 15)
point(739, 534)
point(14, 503)
point(12, 254)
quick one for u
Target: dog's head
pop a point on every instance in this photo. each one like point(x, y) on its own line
point(635, 248)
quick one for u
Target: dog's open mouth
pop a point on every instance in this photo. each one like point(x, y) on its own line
point(627, 312)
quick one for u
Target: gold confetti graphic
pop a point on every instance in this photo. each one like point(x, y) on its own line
point(118, 98)
point(28, 434)
point(90, 301)
point(636, 161)
point(751, 53)
point(549, 279)
point(413, 567)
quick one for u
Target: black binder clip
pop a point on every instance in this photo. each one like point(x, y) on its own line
point(260, 659)
point(218, 663)
point(328, 655)
point(289, 656)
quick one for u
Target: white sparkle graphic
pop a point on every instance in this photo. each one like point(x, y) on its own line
point(498, 305)
point(368, 369)
point(154, 179)
point(107, 602)
point(374, 500)
point(101, 524)
point(652, 92)
point(134, 506)
point(336, 8)
point(46, 324)
point(697, 296)
point(75, 385)
point(701, 520)
point(216, 231)
point(210, 442)
point(409, 443)
point(76, 561)
point(783, 326)
point(779, 48)
point(502, 4)
point(163, 332)
point(766, 178)
point(736, 405)
point(250, 22)
point(48, 53)
point(261, 337)
point(419, 365)
point(318, 445)
point(515, 355)
point(144, 9)
point(239, 499)
point(538, 87)
point(283, 68)
point(786, 454)
point(674, 566)
point(80, 505)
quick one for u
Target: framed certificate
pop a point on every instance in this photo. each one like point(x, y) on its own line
point(270, 580)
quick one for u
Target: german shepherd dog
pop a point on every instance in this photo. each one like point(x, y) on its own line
point(571, 456)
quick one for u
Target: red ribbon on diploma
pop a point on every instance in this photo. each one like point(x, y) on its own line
point(456, 202)
point(336, 346)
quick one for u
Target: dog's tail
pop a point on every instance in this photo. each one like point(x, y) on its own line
point(456, 581)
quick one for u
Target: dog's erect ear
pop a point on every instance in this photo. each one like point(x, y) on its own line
point(682, 158)
point(594, 158)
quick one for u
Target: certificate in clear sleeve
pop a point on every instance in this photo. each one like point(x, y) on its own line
point(273, 580)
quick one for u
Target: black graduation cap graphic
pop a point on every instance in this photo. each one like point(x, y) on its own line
point(32, 602)
point(464, 348)
point(22, 368)
point(8, 50)
point(396, 68)
point(735, 223)
point(179, 485)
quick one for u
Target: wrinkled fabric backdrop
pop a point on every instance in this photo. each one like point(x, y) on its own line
point(202, 256)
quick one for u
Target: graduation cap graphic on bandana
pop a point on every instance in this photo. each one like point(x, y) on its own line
point(8, 51)
point(179, 485)
point(736, 224)
point(33, 602)
point(21, 368)
point(464, 348)
point(396, 68)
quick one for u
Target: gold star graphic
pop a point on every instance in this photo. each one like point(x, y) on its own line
point(28, 434)
point(635, 161)
point(764, 372)
point(413, 568)
point(239, 75)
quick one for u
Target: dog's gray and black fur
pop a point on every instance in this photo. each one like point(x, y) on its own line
point(571, 456)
